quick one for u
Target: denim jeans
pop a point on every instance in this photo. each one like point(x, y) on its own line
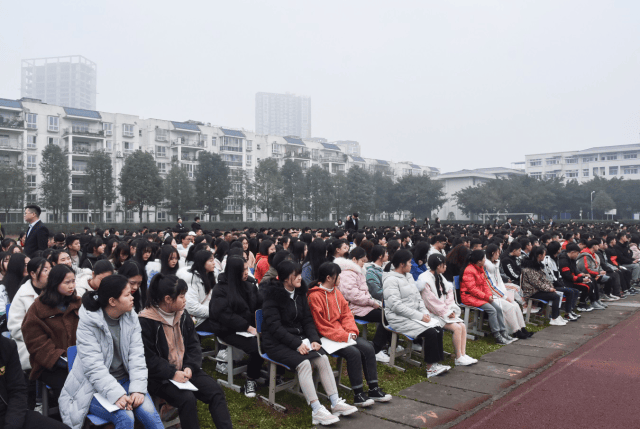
point(122, 419)
point(495, 316)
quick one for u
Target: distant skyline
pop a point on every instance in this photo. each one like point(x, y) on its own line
point(450, 84)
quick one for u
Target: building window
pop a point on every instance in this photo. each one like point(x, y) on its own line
point(249, 145)
point(613, 171)
point(190, 169)
point(31, 121)
point(79, 166)
point(79, 217)
point(587, 159)
point(53, 124)
point(32, 199)
point(630, 156)
point(128, 216)
point(585, 172)
point(79, 203)
point(77, 183)
point(258, 146)
point(107, 127)
point(162, 217)
point(109, 145)
point(602, 171)
point(610, 157)
point(249, 160)
point(550, 175)
point(535, 162)
point(108, 216)
point(213, 141)
point(572, 173)
point(32, 161)
point(127, 146)
point(630, 170)
point(536, 175)
point(162, 135)
point(232, 160)
point(572, 160)
point(127, 130)
point(275, 149)
point(552, 161)
point(162, 167)
point(31, 180)
point(231, 144)
point(31, 142)
point(53, 140)
point(161, 151)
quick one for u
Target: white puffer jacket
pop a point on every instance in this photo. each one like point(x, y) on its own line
point(17, 312)
point(197, 300)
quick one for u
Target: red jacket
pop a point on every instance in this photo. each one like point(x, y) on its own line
point(331, 314)
point(474, 289)
point(262, 266)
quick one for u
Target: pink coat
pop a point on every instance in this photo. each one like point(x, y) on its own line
point(353, 285)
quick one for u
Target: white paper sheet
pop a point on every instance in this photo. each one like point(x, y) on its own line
point(245, 334)
point(105, 404)
point(331, 346)
point(187, 385)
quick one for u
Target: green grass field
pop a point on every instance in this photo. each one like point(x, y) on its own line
point(254, 413)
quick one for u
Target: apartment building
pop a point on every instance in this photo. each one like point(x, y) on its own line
point(28, 125)
point(604, 161)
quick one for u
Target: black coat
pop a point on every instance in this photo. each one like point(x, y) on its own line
point(195, 226)
point(156, 349)
point(180, 227)
point(228, 315)
point(568, 270)
point(511, 268)
point(624, 253)
point(38, 239)
point(286, 322)
point(13, 388)
point(90, 261)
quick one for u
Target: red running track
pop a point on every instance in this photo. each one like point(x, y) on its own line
point(595, 386)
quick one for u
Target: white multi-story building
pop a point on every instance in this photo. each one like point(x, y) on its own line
point(583, 165)
point(283, 115)
point(458, 180)
point(28, 125)
point(61, 81)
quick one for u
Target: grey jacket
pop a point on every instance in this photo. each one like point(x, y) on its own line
point(90, 373)
point(403, 305)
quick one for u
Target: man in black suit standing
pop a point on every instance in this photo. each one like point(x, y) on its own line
point(37, 234)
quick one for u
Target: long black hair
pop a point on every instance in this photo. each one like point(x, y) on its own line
point(50, 295)
point(121, 249)
point(420, 251)
point(208, 279)
point(131, 269)
point(191, 254)
point(15, 273)
point(286, 268)
point(35, 266)
point(164, 285)
point(316, 256)
point(110, 287)
point(298, 251)
point(377, 252)
point(221, 250)
point(233, 273)
point(167, 251)
point(327, 269)
point(141, 247)
point(264, 247)
point(434, 261)
point(531, 261)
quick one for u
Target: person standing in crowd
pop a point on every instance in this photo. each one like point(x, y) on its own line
point(37, 234)
point(172, 352)
point(195, 225)
point(110, 362)
point(179, 226)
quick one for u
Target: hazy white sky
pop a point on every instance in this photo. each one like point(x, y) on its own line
point(456, 84)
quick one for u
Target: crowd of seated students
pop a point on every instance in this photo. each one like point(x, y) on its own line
point(132, 302)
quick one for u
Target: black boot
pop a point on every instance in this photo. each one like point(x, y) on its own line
point(526, 333)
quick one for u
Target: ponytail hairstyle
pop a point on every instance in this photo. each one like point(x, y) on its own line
point(473, 257)
point(191, 254)
point(286, 268)
point(357, 253)
point(164, 285)
point(167, 251)
point(400, 257)
point(434, 261)
point(392, 248)
point(208, 279)
point(93, 244)
point(50, 295)
point(327, 269)
point(110, 287)
point(377, 252)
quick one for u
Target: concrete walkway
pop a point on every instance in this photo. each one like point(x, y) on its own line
point(447, 400)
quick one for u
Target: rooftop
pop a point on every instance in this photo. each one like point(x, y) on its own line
point(185, 126)
point(82, 112)
point(233, 133)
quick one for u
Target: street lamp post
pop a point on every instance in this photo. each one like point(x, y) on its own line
point(592, 192)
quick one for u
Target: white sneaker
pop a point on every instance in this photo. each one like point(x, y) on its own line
point(464, 360)
point(435, 370)
point(381, 356)
point(416, 348)
point(445, 368)
point(399, 349)
point(323, 417)
point(558, 321)
point(341, 408)
point(471, 359)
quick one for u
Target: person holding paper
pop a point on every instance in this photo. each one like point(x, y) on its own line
point(50, 327)
point(406, 313)
point(289, 336)
point(174, 357)
point(232, 310)
point(200, 279)
point(335, 322)
point(439, 298)
point(109, 375)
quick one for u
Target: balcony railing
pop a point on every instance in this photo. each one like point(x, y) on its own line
point(83, 131)
point(231, 148)
point(234, 163)
point(11, 122)
point(185, 142)
point(6, 162)
point(339, 159)
point(9, 143)
point(301, 155)
point(186, 157)
point(161, 155)
point(78, 169)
